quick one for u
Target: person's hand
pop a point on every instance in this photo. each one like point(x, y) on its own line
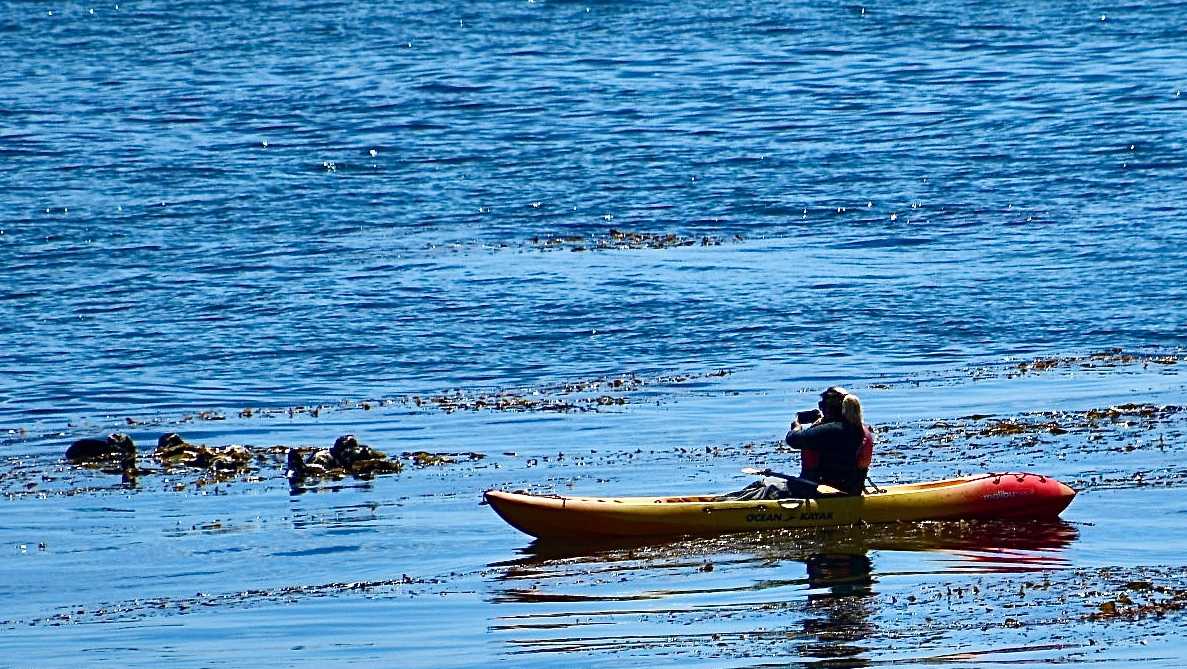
point(807, 419)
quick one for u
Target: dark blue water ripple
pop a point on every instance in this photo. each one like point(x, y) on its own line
point(292, 199)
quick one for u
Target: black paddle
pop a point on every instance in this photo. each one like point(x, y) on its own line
point(767, 472)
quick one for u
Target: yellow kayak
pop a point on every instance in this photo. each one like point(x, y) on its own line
point(1012, 496)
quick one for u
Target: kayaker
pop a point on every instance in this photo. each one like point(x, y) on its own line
point(837, 447)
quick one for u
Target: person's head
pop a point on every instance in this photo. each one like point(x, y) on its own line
point(851, 411)
point(830, 403)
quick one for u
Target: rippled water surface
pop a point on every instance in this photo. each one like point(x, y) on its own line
point(654, 230)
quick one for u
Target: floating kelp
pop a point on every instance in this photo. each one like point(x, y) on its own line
point(154, 606)
point(1050, 422)
point(588, 395)
point(1114, 360)
point(426, 459)
point(1114, 357)
point(615, 239)
point(510, 401)
point(1137, 599)
point(571, 396)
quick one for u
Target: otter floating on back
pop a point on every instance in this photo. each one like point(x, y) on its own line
point(117, 446)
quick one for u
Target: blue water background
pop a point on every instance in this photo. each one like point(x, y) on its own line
point(211, 206)
point(155, 252)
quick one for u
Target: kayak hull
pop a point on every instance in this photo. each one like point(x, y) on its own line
point(1011, 496)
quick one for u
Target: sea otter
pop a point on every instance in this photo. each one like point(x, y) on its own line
point(174, 450)
point(347, 451)
point(116, 446)
point(346, 456)
point(295, 470)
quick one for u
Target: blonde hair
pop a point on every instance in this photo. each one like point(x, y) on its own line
point(851, 410)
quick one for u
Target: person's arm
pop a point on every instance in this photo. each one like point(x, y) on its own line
point(817, 437)
point(795, 428)
point(796, 425)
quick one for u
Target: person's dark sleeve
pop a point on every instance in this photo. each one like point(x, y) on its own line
point(818, 437)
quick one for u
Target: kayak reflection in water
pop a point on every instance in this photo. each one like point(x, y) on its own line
point(838, 616)
point(835, 446)
point(842, 573)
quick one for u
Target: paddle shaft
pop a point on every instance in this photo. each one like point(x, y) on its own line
point(767, 472)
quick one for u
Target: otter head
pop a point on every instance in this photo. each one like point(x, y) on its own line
point(121, 443)
point(169, 440)
point(345, 450)
point(295, 463)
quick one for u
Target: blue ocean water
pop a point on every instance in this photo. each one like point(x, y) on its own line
point(213, 206)
point(1031, 157)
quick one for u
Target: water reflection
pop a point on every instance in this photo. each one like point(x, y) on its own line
point(838, 614)
point(810, 594)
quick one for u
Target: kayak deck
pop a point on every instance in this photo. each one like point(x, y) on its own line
point(986, 496)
